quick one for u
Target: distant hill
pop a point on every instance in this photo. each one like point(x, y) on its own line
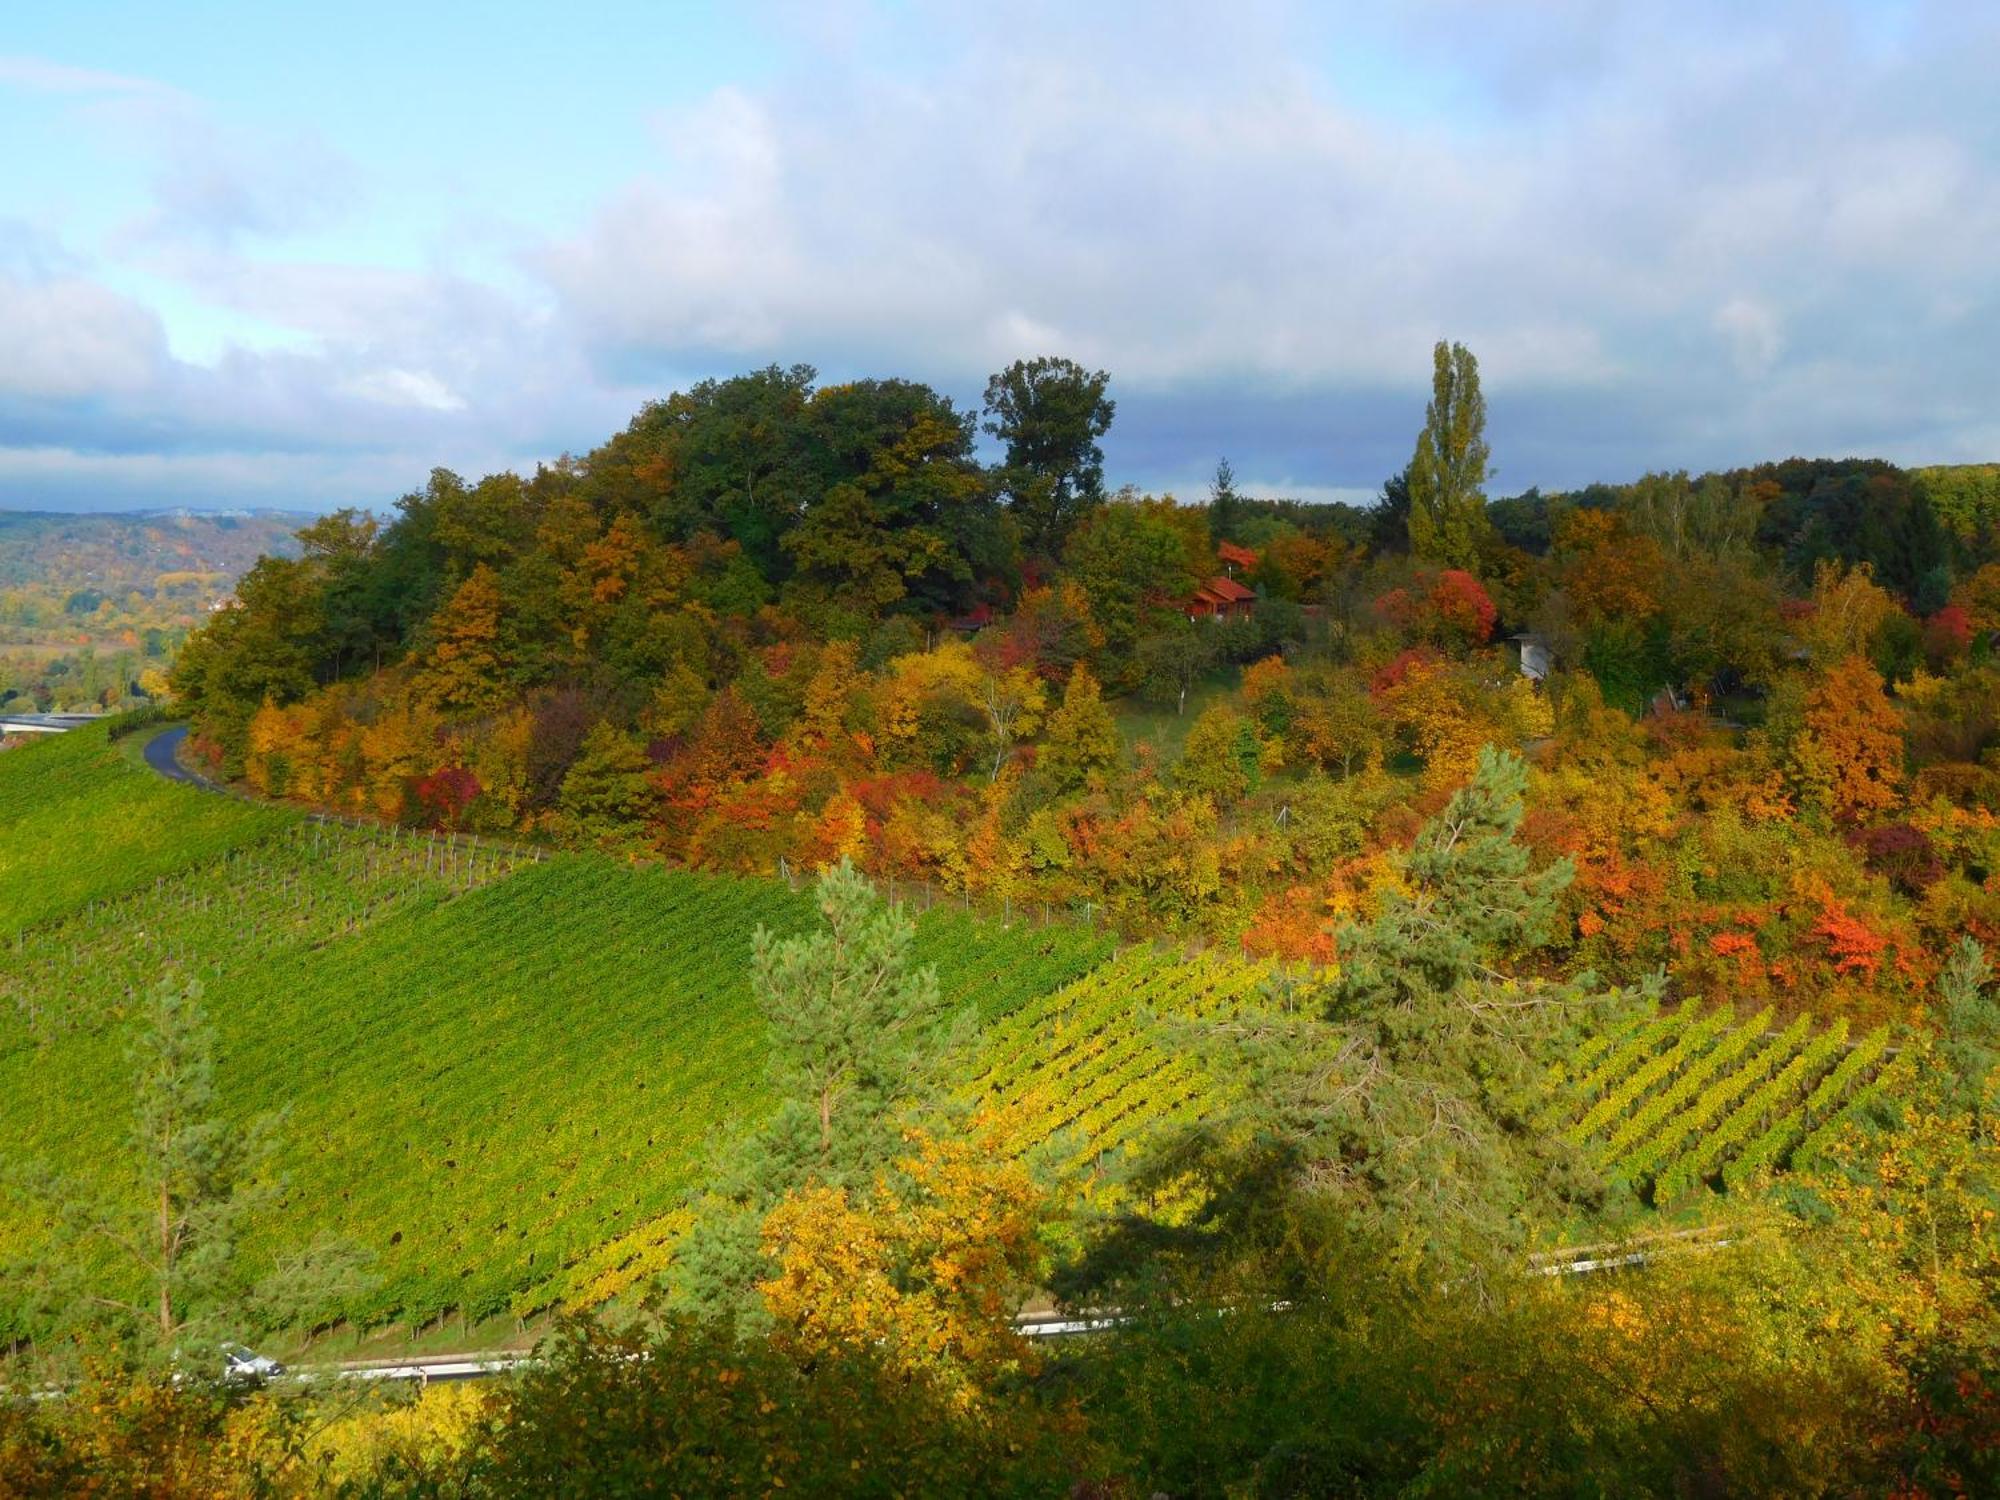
point(126, 552)
point(90, 605)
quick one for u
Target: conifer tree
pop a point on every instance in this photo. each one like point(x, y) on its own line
point(857, 1032)
point(161, 1264)
point(1395, 1100)
point(1225, 503)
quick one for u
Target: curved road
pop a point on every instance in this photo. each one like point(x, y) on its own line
point(162, 754)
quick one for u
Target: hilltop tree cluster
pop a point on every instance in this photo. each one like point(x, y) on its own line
point(779, 623)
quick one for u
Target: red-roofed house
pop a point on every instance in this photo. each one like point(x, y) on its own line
point(1220, 599)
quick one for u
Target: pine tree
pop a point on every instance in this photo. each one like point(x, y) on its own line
point(1398, 1094)
point(1447, 477)
point(200, 1178)
point(1468, 896)
point(857, 1033)
point(849, 1015)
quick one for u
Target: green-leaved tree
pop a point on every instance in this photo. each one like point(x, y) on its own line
point(1050, 413)
point(608, 793)
point(1447, 477)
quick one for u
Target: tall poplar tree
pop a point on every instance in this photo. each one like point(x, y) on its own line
point(1447, 477)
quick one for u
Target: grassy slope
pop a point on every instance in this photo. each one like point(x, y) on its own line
point(1158, 727)
point(479, 1088)
point(79, 823)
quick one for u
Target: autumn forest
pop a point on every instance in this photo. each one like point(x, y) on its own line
point(776, 624)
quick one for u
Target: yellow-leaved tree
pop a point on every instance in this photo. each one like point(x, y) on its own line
point(926, 1270)
point(462, 671)
point(1082, 741)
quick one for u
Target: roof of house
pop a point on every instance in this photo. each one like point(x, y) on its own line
point(1225, 591)
point(1229, 552)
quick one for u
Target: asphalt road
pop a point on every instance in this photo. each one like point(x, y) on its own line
point(161, 752)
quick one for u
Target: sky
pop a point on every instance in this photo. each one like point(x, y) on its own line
point(269, 254)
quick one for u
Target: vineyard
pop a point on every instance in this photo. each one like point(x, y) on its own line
point(486, 1079)
point(1091, 1071)
point(78, 823)
point(501, 1076)
point(1682, 1101)
point(305, 884)
point(1677, 1103)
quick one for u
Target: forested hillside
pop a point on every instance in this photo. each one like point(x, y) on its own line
point(777, 624)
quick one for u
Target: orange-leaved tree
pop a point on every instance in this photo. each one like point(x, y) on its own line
point(1848, 757)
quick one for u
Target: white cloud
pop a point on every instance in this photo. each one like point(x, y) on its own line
point(415, 388)
point(1709, 236)
point(1752, 333)
point(69, 338)
point(43, 76)
point(1599, 201)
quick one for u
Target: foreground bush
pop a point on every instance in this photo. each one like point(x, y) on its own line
point(690, 1410)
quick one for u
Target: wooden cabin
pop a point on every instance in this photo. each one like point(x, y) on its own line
point(1220, 599)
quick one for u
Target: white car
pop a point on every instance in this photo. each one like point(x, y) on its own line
point(241, 1366)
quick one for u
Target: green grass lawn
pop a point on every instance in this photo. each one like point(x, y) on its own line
point(1160, 727)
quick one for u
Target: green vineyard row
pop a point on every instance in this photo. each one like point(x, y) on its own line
point(1683, 1101)
point(304, 884)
